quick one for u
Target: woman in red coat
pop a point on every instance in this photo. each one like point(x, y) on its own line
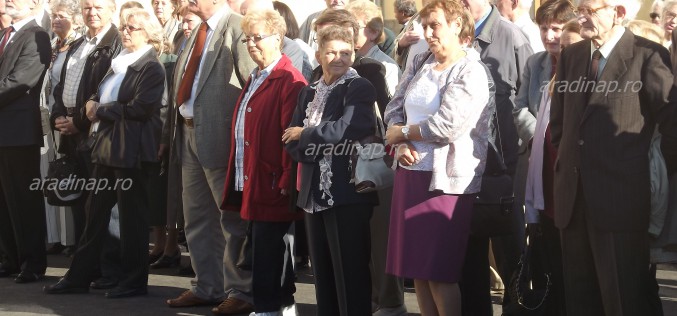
point(257, 180)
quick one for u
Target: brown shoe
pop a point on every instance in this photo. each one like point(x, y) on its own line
point(233, 306)
point(188, 299)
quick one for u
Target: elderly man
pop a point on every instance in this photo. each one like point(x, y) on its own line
point(602, 132)
point(517, 11)
point(210, 74)
point(24, 58)
point(410, 41)
point(404, 10)
point(87, 62)
point(307, 29)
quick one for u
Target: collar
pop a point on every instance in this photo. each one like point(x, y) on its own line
point(523, 20)
point(18, 25)
point(479, 25)
point(372, 51)
point(607, 48)
point(99, 36)
point(213, 22)
point(38, 19)
point(126, 58)
point(266, 71)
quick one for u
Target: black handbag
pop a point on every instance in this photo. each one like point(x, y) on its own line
point(118, 143)
point(523, 299)
point(493, 213)
point(61, 187)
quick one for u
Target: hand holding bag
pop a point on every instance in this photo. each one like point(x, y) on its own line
point(371, 172)
point(118, 143)
point(60, 185)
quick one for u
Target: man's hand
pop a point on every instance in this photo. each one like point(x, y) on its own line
point(161, 152)
point(65, 126)
point(410, 37)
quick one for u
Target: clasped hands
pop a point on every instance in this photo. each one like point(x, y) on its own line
point(405, 152)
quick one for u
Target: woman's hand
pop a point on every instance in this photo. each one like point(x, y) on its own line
point(394, 135)
point(406, 154)
point(291, 134)
point(90, 108)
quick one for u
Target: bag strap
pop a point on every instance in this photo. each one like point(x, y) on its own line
point(522, 274)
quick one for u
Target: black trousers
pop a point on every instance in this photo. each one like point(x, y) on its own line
point(606, 273)
point(340, 249)
point(22, 210)
point(272, 267)
point(133, 229)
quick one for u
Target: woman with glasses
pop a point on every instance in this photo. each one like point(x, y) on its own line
point(259, 170)
point(669, 21)
point(128, 97)
point(66, 24)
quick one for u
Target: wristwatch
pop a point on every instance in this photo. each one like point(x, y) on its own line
point(405, 131)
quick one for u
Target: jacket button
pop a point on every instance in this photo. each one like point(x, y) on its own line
point(581, 142)
point(249, 109)
point(246, 143)
point(246, 178)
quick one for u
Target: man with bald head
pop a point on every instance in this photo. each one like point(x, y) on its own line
point(209, 76)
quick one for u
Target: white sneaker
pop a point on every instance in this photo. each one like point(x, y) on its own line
point(289, 310)
point(265, 314)
point(392, 311)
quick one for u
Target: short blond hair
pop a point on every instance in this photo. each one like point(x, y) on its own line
point(370, 14)
point(149, 24)
point(272, 20)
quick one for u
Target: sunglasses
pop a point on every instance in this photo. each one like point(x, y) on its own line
point(255, 38)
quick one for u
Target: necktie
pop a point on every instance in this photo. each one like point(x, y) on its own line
point(5, 39)
point(594, 65)
point(191, 69)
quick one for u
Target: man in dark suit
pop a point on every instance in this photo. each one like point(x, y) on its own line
point(24, 58)
point(609, 94)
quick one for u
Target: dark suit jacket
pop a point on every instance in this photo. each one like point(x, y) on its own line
point(140, 98)
point(22, 68)
point(348, 116)
point(606, 143)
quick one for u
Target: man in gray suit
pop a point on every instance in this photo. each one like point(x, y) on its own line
point(602, 129)
point(209, 77)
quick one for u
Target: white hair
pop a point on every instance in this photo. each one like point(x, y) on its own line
point(631, 8)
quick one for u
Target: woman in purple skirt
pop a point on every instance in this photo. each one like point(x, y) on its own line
point(439, 122)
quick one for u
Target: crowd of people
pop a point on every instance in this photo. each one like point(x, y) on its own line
point(217, 112)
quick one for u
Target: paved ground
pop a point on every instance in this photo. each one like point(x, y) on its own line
point(28, 299)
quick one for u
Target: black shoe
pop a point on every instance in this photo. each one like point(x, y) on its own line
point(55, 249)
point(120, 292)
point(27, 277)
point(167, 261)
point(153, 258)
point(103, 283)
point(186, 271)
point(64, 287)
point(7, 272)
point(69, 251)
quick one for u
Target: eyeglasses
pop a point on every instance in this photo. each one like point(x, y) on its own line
point(60, 17)
point(654, 15)
point(670, 15)
point(590, 11)
point(129, 28)
point(255, 38)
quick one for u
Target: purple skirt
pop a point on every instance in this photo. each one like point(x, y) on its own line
point(428, 229)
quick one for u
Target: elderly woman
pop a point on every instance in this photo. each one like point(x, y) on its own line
point(338, 108)
point(258, 177)
point(669, 20)
point(129, 97)
point(370, 19)
point(439, 122)
point(164, 12)
point(66, 22)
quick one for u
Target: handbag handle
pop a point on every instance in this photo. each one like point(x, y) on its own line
point(523, 263)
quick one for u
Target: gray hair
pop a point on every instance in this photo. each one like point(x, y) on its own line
point(150, 25)
point(72, 7)
point(408, 7)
